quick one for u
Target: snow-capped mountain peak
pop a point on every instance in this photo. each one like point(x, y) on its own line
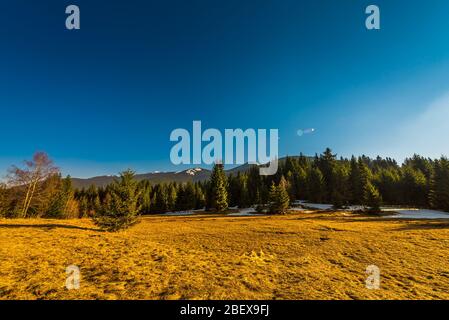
point(193, 171)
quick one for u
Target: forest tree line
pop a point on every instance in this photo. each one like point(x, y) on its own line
point(38, 190)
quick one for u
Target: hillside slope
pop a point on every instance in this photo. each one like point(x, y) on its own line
point(193, 175)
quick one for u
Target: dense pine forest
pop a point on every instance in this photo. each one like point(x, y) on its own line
point(40, 191)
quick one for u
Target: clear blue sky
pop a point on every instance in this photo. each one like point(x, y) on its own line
point(106, 97)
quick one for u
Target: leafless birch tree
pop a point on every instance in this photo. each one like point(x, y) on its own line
point(30, 178)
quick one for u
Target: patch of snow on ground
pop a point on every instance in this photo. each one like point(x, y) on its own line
point(184, 213)
point(407, 213)
point(319, 206)
point(354, 208)
point(245, 212)
point(297, 209)
point(180, 213)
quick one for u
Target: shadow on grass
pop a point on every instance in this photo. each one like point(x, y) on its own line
point(332, 216)
point(407, 224)
point(363, 217)
point(46, 226)
point(424, 226)
point(201, 217)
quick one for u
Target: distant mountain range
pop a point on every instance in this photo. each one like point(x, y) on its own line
point(193, 175)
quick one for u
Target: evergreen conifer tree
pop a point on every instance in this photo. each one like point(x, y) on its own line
point(123, 210)
point(218, 188)
point(145, 198)
point(439, 190)
point(327, 163)
point(243, 201)
point(160, 200)
point(340, 193)
point(279, 198)
point(372, 198)
point(316, 188)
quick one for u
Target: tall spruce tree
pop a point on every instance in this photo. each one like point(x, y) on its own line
point(340, 190)
point(373, 199)
point(327, 163)
point(272, 197)
point(355, 184)
point(388, 180)
point(316, 188)
point(145, 197)
point(244, 200)
point(171, 196)
point(414, 187)
point(186, 197)
point(160, 199)
point(200, 198)
point(300, 183)
point(279, 198)
point(359, 177)
point(218, 188)
point(439, 190)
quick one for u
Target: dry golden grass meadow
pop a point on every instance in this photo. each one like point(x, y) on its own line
point(299, 256)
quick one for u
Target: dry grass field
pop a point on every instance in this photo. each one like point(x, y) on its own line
point(298, 256)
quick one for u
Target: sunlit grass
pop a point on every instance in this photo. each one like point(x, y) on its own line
point(296, 256)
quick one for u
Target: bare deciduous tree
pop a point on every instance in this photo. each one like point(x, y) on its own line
point(31, 177)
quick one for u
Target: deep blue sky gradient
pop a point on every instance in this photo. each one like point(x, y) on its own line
point(106, 97)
